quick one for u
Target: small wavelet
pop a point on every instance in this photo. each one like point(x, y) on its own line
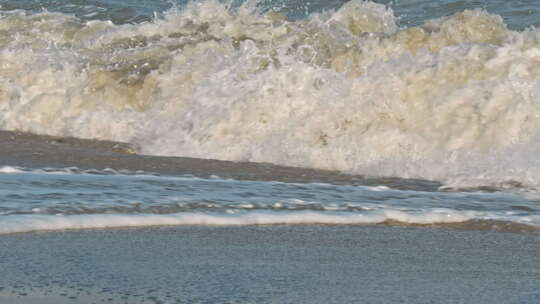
point(29, 223)
point(35, 200)
point(450, 219)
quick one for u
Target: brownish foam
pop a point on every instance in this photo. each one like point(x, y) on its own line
point(39, 151)
point(494, 225)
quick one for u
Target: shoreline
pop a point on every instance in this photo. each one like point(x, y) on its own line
point(40, 151)
point(470, 225)
point(473, 262)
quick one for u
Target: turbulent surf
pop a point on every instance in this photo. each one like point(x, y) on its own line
point(348, 88)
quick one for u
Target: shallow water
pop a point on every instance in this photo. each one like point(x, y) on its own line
point(35, 200)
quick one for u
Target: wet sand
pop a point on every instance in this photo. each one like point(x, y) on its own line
point(271, 264)
point(35, 151)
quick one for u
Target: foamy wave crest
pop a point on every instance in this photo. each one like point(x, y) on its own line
point(71, 170)
point(10, 169)
point(29, 223)
point(453, 99)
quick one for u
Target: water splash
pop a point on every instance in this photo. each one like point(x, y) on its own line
point(452, 99)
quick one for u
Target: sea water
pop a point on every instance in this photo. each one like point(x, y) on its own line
point(445, 91)
point(436, 90)
point(35, 200)
point(439, 90)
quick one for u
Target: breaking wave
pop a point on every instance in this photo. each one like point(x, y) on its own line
point(453, 99)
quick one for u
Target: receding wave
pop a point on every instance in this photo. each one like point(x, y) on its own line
point(28, 223)
point(33, 223)
point(71, 198)
point(453, 99)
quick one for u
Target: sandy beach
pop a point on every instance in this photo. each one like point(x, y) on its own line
point(271, 264)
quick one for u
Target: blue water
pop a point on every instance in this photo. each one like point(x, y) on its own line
point(35, 200)
point(518, 14)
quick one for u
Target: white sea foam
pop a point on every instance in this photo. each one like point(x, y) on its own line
point(29, 223)
point(10, 169)
point(452, 100)
point(73, 170)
